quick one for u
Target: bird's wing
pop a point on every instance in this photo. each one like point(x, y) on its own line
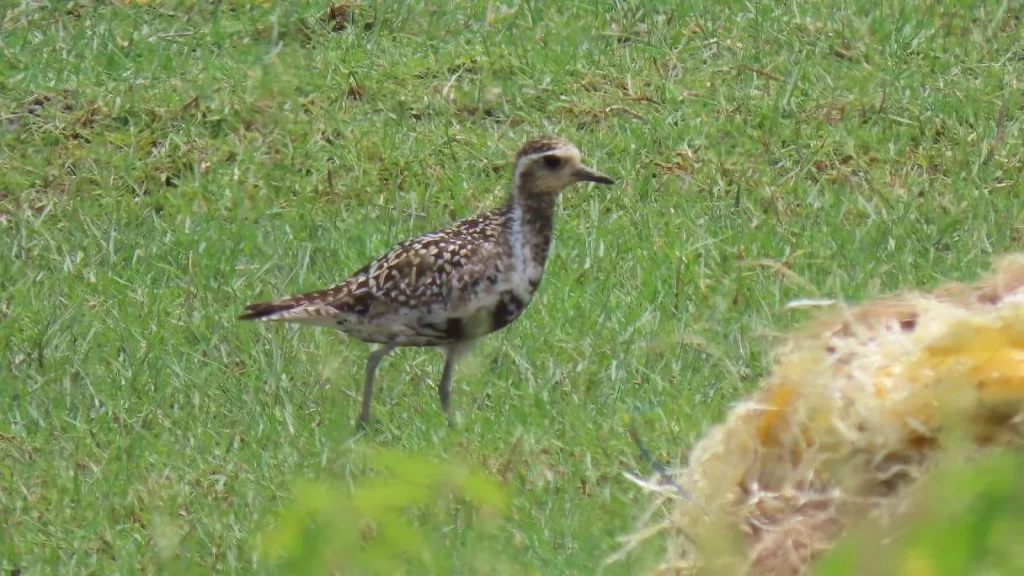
point(429, 273)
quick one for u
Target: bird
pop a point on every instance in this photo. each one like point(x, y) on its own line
point(452, 286)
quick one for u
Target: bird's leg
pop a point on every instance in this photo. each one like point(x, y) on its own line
point(444, 388)
point(371, 369)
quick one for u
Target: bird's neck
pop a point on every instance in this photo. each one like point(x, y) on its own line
point(532, 222)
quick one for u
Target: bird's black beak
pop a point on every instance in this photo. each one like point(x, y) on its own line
point(585, 174)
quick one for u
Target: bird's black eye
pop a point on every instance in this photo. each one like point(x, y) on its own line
point(552, 161)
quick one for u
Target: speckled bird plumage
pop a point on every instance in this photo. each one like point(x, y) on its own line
point(449, 287)
point(414, 289)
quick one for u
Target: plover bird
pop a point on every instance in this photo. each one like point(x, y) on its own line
point(452, 286)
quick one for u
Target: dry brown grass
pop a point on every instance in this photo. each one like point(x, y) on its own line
point(860, 406)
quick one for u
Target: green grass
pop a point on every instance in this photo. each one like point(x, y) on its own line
point(188, 159)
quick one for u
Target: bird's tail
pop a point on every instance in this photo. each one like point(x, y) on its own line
point(273, 310)
point(309, 308)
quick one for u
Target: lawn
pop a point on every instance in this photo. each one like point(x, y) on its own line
point(163, 164)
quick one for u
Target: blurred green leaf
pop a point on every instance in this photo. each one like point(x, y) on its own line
point(965, 520)
point(370, 526)
point(484, 492)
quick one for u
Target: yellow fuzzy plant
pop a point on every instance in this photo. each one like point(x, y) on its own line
point(859, 407)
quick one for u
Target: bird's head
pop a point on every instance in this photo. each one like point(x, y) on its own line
point(546, 165)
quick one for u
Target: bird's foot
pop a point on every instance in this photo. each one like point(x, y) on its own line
point(452, 419)
point(362, 426)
